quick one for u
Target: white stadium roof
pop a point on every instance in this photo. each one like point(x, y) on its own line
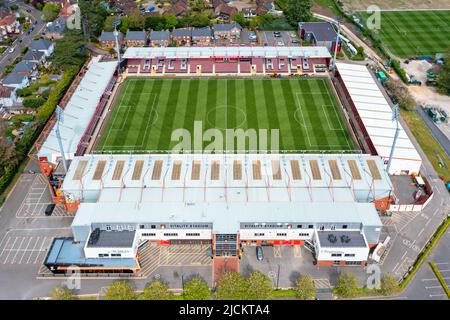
point(79, 110)
point(226, 218)
point(376, 115)
point(210, 52)
point(232, 178)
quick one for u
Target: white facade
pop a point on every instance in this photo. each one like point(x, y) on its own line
point(376, 116)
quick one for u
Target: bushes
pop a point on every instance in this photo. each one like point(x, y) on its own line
point(53, 99)
point(120, 290)
point(399, 70)
point(440, 278)
point(304, 288)
point(196, 289)
point(156, 290)
point(33, 102)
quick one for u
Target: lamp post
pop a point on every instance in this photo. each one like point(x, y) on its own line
point(116, 23)
point(59, 118)
point(395, 117)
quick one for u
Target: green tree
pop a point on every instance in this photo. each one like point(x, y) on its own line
point(196, 289)
point(443, 78)
point(70, 50)
point(120, 290)
point(8, 154)
point(156, 290)
point(304, 288)
point(14, 7)
point(33, 103)
point(389, 284)
point(50, 11)
point(171, 22)
point(93, 16)
point(61, 293)
point(298, 10)
point(259, 286)
point(155, 23)
point(108, 24)
point(231, 286)
point(239, 18)
point(347, 286)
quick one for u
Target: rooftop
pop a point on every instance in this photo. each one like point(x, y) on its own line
point(136, 36)
point(322, 31)
point(339, 239)
point(64, 251)
point(14, 78)
point(111, 239)
point(79, 110)
point(40, 44)
point(232, 178)
point(242, 51)
point(227, 217)
point(376, 113)
point(226, 26)
point(159, 35)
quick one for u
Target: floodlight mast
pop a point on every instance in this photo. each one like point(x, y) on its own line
point(116, 36)
point(333, 64)
point(395, 117)
point(59, 118)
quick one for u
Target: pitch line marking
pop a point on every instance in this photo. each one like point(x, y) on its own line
point(149, 124)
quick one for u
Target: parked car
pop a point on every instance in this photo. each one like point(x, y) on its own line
point(259, 253)
point(277, 34)
point(49, 209)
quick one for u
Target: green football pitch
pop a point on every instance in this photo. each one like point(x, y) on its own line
point(147, 111)
point(408, 33)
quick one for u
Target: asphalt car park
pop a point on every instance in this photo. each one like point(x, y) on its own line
point(37, 199)
point(278, 38)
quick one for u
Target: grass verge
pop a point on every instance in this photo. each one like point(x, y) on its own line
point(428, 144)
point(440, 278)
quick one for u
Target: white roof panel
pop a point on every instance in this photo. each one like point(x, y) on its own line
point(376, 115)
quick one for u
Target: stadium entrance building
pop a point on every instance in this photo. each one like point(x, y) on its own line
point(325, 202)
point(226, 60)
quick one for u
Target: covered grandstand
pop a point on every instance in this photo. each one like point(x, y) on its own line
point(216, 60)
point(80, 115)
point(372, 114)
point(246, 198)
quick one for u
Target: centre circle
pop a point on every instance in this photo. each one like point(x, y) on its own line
point(221, 112)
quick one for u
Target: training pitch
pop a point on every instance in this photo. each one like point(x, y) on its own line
point(147, 111)
point(409, 33)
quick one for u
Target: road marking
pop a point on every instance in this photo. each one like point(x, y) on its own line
point(421, 232)
point(427, 222)
point(34, 247)
point(6, 259)
point(404, 254)
point(26, 250)
point(433, 287)
point(437, 295)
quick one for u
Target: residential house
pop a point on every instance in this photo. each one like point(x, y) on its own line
point(34, 56)
point(179, 8)
point(136, 39)
point(128, 7)
point(159, 38)
point(16, 80)
point(8, 96)
point(68, 9)
point(264, 6)
point(4, 12)
point(43, 45)
point(108, 40)
point(225, 12)
point(55, 29)
point(249, 12)
point(182, 37)
point(9, 25)
point(227, 31)
point(320, 34)
point(201, 36)
point(25, 67)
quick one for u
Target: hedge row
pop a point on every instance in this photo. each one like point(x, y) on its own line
point(422, 256)
point(440, 278)
point(399, 70)
point(44, 113)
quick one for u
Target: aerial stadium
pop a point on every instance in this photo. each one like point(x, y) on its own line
point(111, 161)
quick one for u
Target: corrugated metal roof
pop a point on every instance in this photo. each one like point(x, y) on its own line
point(79, 110)
point(207, 52)
point(226, 218)
point(376, 115)
point(212, 177)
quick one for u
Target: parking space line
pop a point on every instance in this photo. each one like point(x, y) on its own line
point(18, 250)
point(6, 245)
point(34, 247)
point(6, 259)
point(41, 249)
point(26, 250)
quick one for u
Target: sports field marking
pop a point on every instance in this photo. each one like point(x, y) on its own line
point(150, 123)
